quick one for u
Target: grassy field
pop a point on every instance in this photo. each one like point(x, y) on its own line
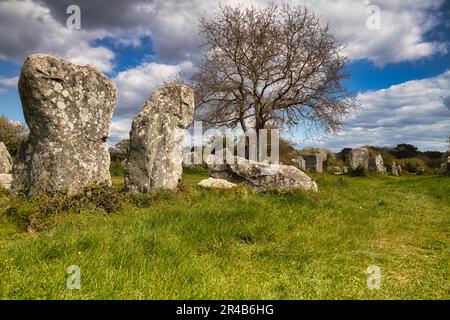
point(234, 244)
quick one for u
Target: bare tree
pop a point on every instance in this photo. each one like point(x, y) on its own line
point(273, 67)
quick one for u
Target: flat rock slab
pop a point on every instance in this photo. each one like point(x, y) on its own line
point(216, 183)
point(263, 176)
point(68, 109)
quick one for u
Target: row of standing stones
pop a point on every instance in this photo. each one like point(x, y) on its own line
point(358, 158)
point(68, 110)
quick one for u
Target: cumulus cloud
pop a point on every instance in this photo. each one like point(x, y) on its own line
point(9, 82)
point(28, 27)
point(137, 84)
point(39, 25)
point(413, 112)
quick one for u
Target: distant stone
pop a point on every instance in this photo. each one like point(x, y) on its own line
point(376, 164)
point(334, 170)
point(399, 169)
point(299, 163)
point(5, 159)
point(5, 180)
point(314, 163)
point(420, 170)
point(394, 169)
point(358, 157)
point(191, 159)
point(216, 183)
point(156, 140)
point(346, 169)
point(263, 176)
point(68, 109)
point(445, 166)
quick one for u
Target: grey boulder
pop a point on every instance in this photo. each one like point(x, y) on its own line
point(155, 156)
point(5, 159)
point(358, 157)
point(68, 109)
point(260, 176)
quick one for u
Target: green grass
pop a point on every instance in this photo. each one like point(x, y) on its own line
point(234, 244)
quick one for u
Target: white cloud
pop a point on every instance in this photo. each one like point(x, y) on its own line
point(137, 84)
point(413, 112)
point(28, 27)
point(174, 27)
point(9, 82)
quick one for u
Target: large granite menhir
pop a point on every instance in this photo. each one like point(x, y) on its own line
point(68, 109)
point(5, 159)
point(358, 157)
point(156, 140)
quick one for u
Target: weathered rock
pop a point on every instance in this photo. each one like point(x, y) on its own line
point(5, 180)
point(420, 170)
point(314, 163)
point(299, 163)
point(334, 170)
point(264, 176)
point(358, 157)
point(394, 169)
point(216, 183)
point(346, 169)
point(399, 169)
point(156, 140)
point(376, 164)
point(68, 109)
point(5, 159)
point(191, 159)
point(445, 166)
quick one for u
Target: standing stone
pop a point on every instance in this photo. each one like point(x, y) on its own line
point(447, 169)
point(68, 109)
point(5, 159)
point(191, 159)
point(445, 166)
point(420, 170)
point(299, 163)
point(156, 140)
point(314, 163)
point(5, 180)
point(394, 169)
point(346, 169)
point(358, 157)
point(376, 164)
point(335, 170)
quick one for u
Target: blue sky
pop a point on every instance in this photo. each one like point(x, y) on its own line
point(399, 70)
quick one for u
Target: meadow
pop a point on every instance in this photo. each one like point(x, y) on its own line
point(235, 244)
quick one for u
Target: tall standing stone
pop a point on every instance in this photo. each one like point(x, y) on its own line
point(156, 140)
point(5, 167)
point(376, 164)
point(5, 159)
point(314, 163)
point(394, 169)
point(299, 163)
point(68, 109)
point(358, 157)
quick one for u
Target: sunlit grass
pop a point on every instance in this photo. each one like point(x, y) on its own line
point(234, 244)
